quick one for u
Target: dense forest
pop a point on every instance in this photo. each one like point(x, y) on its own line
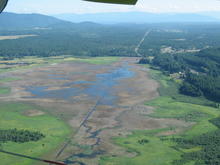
point(199, 71)
point(19, 136)
point(210, 147)
point(85, 39)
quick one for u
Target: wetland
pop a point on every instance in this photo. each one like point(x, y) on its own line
point(98, 113)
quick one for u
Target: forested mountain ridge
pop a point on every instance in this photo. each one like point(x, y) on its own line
point(21, 21)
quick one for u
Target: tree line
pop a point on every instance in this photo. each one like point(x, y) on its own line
point(19, 136)
point(210, 147)
point(82, 40)
point(200, 71)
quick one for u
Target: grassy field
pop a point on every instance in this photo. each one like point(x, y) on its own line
point(173, 105)
point(170, 104)
point(166, 107)
point(94, 60)
point(8, 79)
point(4, 90)
point(12, 116)
point(153, 152)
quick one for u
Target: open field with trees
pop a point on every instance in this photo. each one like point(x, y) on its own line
point(53, 132)
point(173, 145)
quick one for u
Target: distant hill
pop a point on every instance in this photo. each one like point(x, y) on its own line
point(138, 17)
point(30, 21)
point(18, 21)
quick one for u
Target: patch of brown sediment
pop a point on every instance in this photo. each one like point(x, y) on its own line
point(137, 119)
point(170, 132)
point(102, 118)
point(32, 113)
point(40, 76)
point(81, 98)
point(138, 89)
point(56, 88)
point(82, 85)
point(177, 129)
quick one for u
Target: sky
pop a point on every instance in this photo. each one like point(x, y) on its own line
point(81, 7)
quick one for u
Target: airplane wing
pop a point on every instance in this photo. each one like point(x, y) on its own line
point(3, 3)
point(126, 2)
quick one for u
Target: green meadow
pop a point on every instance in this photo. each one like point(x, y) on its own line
point(4, 90)
point(154, 152)
point(162, 150)
point(12, 116)
point(94, 60)
point(8, 79)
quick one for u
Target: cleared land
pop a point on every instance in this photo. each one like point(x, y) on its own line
point(16, 37)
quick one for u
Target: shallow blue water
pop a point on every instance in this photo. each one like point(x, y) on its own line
point(101, 88)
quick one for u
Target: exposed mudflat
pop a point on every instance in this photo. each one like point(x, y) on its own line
point(98, 101)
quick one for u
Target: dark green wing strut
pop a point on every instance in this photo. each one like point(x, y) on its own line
point(3, 4)
point(126, 2)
